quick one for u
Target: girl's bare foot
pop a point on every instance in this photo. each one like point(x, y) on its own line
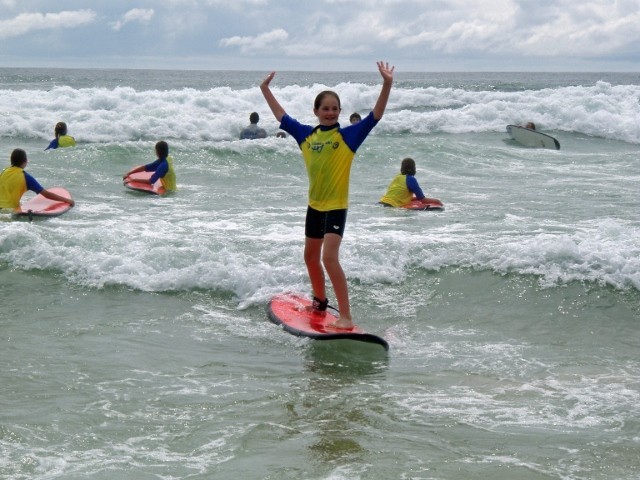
point(343, 324)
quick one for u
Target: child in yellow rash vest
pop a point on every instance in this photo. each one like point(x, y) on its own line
point(328, 152)
point(62, 140)
point(162, 168)
point(404, 187)
point(14, 182)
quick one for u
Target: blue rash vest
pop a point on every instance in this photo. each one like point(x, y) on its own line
point(252, 132)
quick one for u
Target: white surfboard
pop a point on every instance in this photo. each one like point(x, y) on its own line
point(532, 138)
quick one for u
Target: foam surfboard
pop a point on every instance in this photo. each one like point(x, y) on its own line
point(290, 311)
point(532, 138)
point(41, 206)
point(132, 183)
point(432, 205)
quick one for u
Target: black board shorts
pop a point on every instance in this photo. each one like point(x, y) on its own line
point(320, 223)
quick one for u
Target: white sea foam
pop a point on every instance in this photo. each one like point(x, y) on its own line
point(125, 114)
point(236, 224)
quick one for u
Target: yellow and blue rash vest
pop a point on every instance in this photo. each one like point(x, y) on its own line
point(62, 141)
point(14, 182)
point(169, 180)
point(328, 153)
point(401, 191)
point(163, 171)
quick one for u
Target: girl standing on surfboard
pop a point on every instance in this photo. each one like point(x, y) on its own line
point(14, 182)
point(328, 151)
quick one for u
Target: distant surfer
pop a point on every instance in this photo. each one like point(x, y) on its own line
point(529, 136)
point(328, 151)
point(14, 182)
point(62, 140)
point(354, 118)
point(404, 187)
point(253, 132)
point(162, 168)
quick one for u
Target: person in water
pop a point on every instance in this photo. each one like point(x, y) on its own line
point(404, 187)
point(530, 126)
point(354, 118)
point(62, 139)
point(14, 182)
point(162, 168)
point(328, 151)
point(253, 131)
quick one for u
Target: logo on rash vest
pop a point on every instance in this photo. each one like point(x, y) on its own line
point(318, 146)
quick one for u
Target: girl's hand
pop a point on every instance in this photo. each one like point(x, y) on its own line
point(265, 83)
point(385, 71)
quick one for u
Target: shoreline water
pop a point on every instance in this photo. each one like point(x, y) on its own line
point(136, 341)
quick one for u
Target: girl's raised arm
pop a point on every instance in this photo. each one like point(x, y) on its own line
point(275, 107)
point(387, 81)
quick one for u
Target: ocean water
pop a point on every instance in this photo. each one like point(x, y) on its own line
point(135, 343)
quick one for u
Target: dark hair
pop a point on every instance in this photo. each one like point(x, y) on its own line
point(18, 157)
point(162, 149)
point(254, 117)
point(356, 116)
point(408, 166)
point(320, 97)
point(60, 128)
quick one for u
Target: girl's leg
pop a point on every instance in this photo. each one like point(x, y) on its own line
point(312, 254)
point(331, 261)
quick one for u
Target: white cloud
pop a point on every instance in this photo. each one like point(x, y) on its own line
point(406, 32)
point(140, 15)
point(235, 4)
point(27, 22)
point(584, 31)
point(264, 41)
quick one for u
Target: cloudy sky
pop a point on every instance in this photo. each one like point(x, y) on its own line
point(415, 35)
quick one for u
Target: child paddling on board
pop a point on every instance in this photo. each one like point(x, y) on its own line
point(404, 187)
point(14, 182)
point(162, 168)
point(328, 151)
point(62, 139)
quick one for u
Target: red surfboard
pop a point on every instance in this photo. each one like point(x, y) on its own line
point(41, 206)
point(433, 205)
point(291, 312)
point(132, 183)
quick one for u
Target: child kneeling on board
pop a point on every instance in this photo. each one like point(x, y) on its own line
point(404, 187)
